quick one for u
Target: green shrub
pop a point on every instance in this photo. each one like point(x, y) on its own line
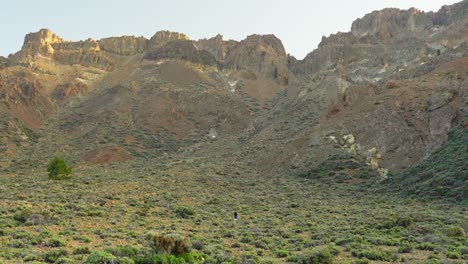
point(375, 255)
point(407, 248)
point(100, 257)
point(184, 212)
point(55, 242)
point(54, 255)
point(426, 246)
point(171, 259)
point(22, 216)
point(30, 257)
point(401, 220)
point(124, 260)
point(26, 237)
point(404, 221)
point(123, 251)
point(18, 243)
point(193, 257)
point(293, 258)
point(58, 169)
point(362, 261)
point(282, 253)
point(323, 256)
point(64, 260)
point(81, 250)
point(455, 231)
point(453, 254)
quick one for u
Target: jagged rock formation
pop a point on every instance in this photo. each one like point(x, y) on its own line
point(392, 43)
point(265, 54)
point(161, 38)
point(216, 46)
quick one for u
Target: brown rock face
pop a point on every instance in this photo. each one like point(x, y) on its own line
point(263, 53)
point(391, 22)
point(260, 53)
point(450, 14)
point(125, 45)
point(39, 43)
point(392, 43)
point(45, 43)
point(23, 97)
point(216, 46)
point(182, 50)
point(72, 89)
point(87, 53)
point(162, 37)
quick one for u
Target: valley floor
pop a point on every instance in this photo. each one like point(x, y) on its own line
point(281, 219)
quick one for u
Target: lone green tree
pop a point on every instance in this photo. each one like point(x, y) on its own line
point(58, 169)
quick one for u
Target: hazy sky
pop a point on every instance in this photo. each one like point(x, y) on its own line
point(300, 24)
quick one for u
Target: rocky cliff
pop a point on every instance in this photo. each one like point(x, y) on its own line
point(392, 43)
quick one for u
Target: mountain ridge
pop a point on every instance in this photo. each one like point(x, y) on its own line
point(169, 94)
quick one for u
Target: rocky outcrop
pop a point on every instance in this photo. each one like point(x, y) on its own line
point(125, 45)
point(216, 46)
point(260, 53)
point(39, 43)
point(87, 53)
point(182, 50)
point(391, 43)
point(450, 14)
point(263, 53)
point(47, 44)
point(162, 37)
point(74, 88)
point(391, 22)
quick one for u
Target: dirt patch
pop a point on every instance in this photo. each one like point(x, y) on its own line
point(179, 74)
point(108, 154)
point(256, 86)
point(129, 139)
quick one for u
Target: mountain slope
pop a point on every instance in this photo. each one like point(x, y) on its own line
point(443, 174)
point(387, 92)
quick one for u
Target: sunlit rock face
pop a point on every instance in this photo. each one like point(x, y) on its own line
point(125, 45)
point(162, 37)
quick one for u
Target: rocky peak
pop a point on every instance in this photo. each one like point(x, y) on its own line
point(39, 43)
point(449, 14)
point(265, 43)
point(216, 46)
point(263, 53)
point(162, 37)
point(394, 43)
point(391, 22)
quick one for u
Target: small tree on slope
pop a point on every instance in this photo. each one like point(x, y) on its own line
point(58, 169)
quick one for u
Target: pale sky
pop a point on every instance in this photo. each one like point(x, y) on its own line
point(300, 24)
